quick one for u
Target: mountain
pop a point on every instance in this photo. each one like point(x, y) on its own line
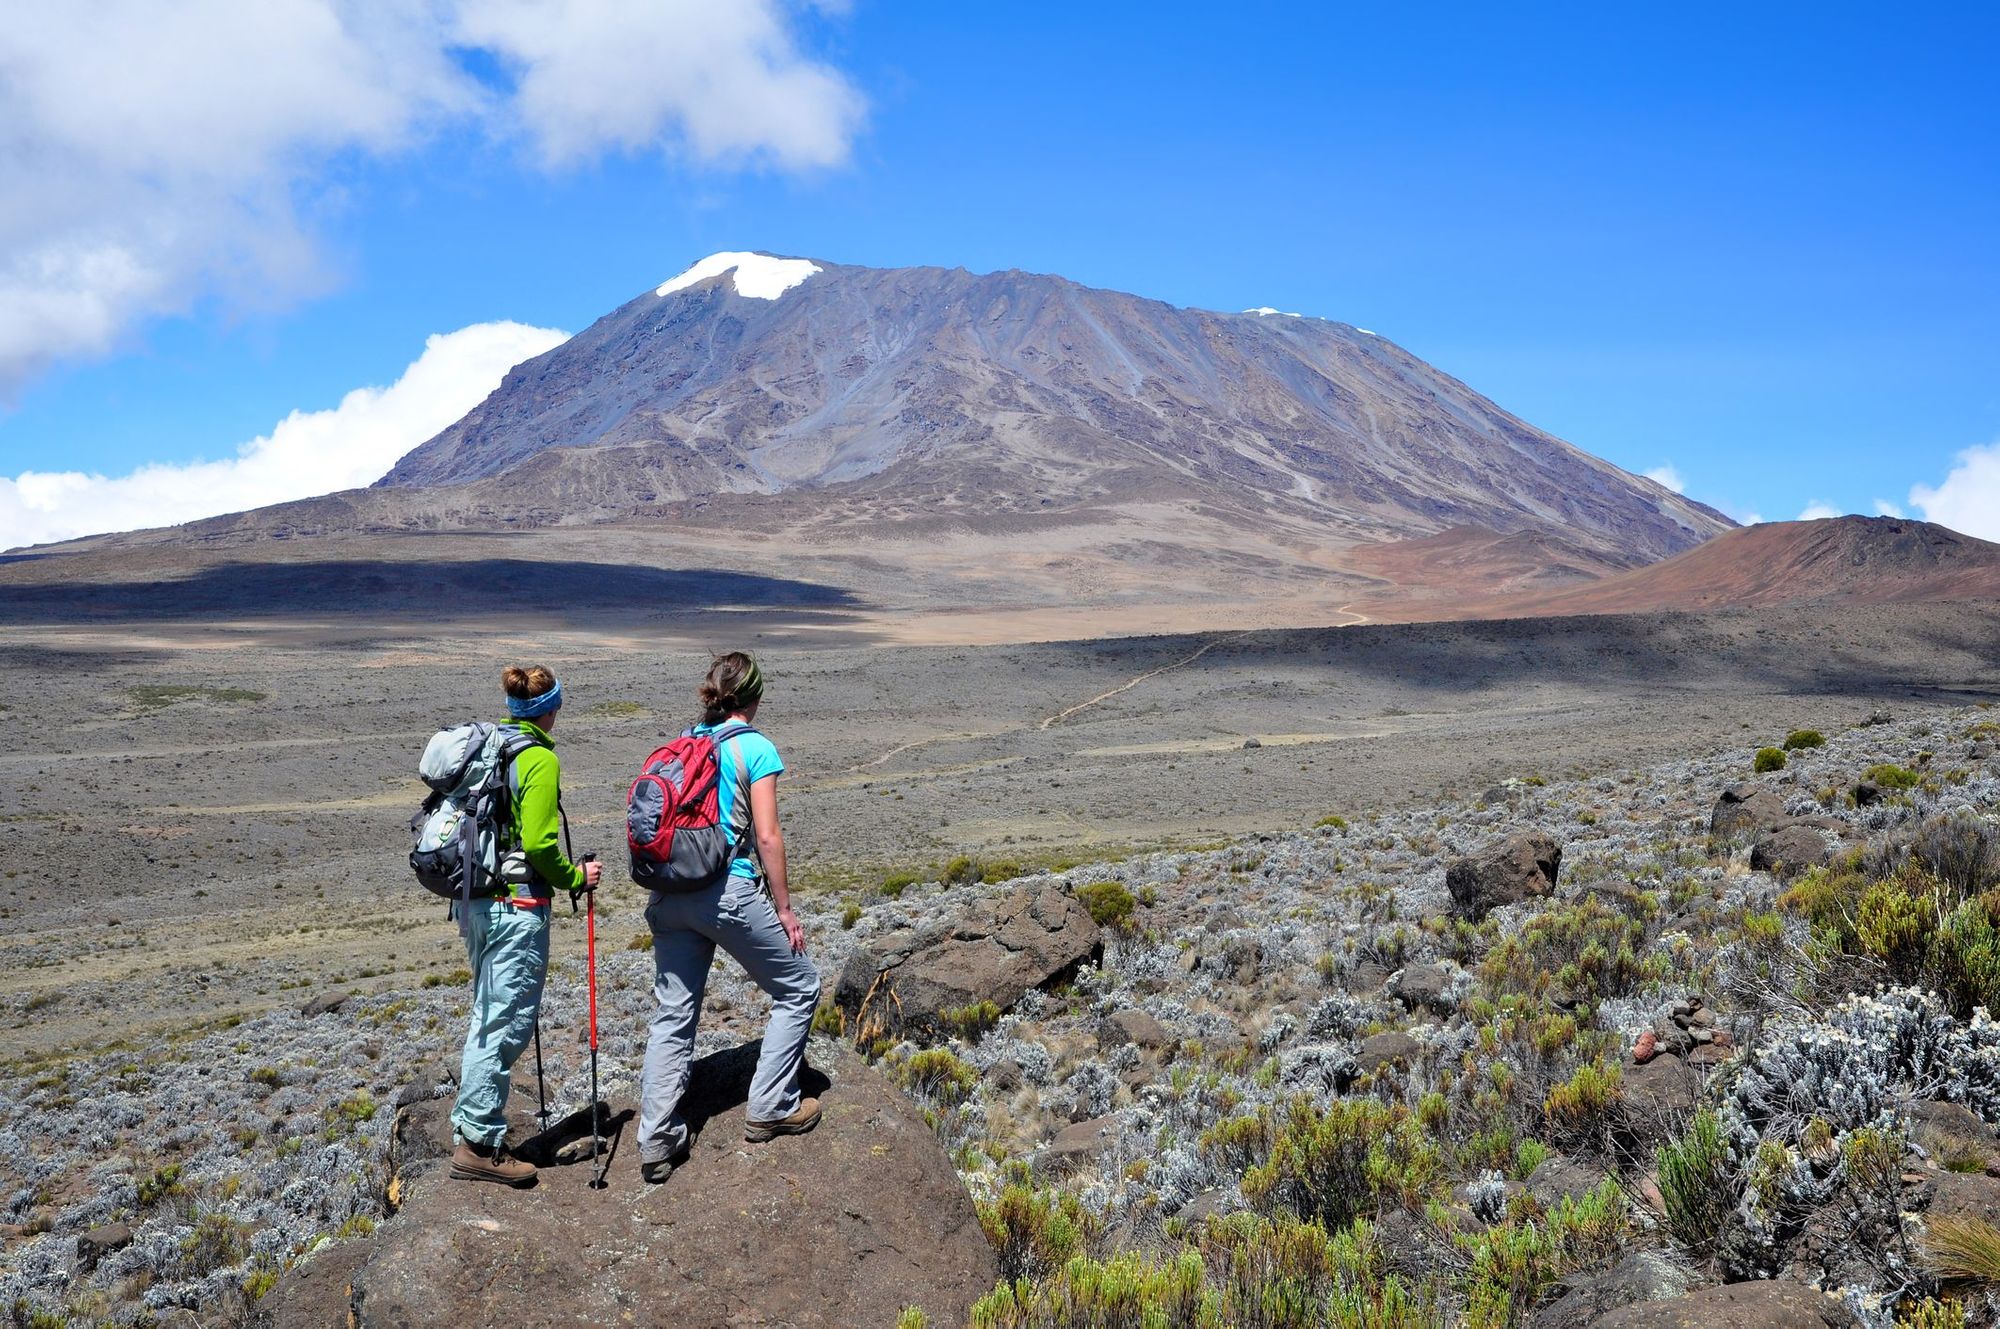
point(1061, 460)
point(916, 392)
point(1839, 560)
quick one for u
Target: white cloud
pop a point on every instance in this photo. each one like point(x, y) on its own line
point(153, 155)
point(1969, 499)
point(1884, 508)
point(1818, 511)
point(308, 453)
point(1667, 477)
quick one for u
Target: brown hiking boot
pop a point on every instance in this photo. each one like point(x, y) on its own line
point(801, 1121)
point(486, 1162)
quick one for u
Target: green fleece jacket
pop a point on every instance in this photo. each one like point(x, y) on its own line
point(537, 823)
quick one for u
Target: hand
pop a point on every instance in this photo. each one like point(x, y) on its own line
point(592, 870)
point(793, 932)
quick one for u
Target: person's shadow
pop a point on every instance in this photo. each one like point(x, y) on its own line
point(720, 1082)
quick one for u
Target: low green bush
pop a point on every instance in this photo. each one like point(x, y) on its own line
point(1696, 1185)
point(1891, 776)
point(1768, 759)
point(1334, 1163)
point(1109, 903)
point(939, 1075)
point(1804, 738)
point(1034, 1231)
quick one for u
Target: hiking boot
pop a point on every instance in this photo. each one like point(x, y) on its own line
point(656, 1170)
point(486, 1162)
point(801, 1121)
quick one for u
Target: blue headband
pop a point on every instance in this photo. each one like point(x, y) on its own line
point(531, 707)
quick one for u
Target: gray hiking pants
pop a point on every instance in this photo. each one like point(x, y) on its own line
point(738, 917)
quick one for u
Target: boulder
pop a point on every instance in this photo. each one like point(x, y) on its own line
point(1557, 1178)
point(1790, 849)
point(1132, 1026)
point(1965, 1195)
point(94, 1245)
point(326, 1003)
point(1745, 809)
point(1656, 1099)
point(843, 1226)
point(1425, 987)
point(1640, 1277)
point(1076, 1145)
point(1867, 793)
point(911, 983)
point(1520, 867)
point(1378, 1051)
point(1775, 1304)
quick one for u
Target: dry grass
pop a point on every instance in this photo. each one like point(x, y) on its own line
point(1964, 1249)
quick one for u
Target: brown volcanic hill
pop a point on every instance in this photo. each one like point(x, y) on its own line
point(1850, 560)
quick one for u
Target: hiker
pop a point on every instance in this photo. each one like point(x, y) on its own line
point(748, 913)
point(506, 930)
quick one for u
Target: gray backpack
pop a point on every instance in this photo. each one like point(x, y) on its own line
point(470, 769)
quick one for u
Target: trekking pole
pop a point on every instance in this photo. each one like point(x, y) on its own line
point(598, 1160)
point(541, 1085)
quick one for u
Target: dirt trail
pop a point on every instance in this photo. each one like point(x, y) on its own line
point(1134, 682)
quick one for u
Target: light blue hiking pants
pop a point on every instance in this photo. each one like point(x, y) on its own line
point(507, 948)
point(738, 917)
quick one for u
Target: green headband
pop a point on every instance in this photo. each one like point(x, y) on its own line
point(752, 686)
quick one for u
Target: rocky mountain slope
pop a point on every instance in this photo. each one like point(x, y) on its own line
point(911, 388)
point(1568, 1049)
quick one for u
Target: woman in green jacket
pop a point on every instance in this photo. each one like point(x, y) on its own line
point(507, 938)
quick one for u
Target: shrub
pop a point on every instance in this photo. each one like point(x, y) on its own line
point(1804, 738)
point(938, 1075)
point(162, 1183)
point(829, 1021)
point(217, 1242)
point(1513, 1263)
point(1891, 776)
point(1333, 821)
point(963, 871)
point(1579, 1108)
point(1768, 759)
point(1033, 1231)
point(1109, 903)
point(1336, 1163)
point(896, 883)
point(850, 916)
point(1696, 1185)
point(1961, 848)
point(1931, 1313)
point(969, 1022)
point(456, 978)
point(913, 1317)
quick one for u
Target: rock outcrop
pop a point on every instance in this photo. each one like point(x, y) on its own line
point(1520, 867)
point(1745, 809)
point(844, 1226)
point(1764, 1305)
point(918, 983)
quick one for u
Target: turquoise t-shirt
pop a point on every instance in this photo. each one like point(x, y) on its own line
point(760, 756)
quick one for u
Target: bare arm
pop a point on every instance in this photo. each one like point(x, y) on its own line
point(771, 853)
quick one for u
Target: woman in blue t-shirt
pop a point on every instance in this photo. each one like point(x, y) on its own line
point(749, 914)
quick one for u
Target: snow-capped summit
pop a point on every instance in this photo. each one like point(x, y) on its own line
point(756, 276)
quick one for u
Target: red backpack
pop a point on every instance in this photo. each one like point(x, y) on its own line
point(673, 816)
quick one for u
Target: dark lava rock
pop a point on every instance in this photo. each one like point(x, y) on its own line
point(1788, 850)
point(844, 1226)
point(1122, 1027)
point(1006, 1075)
point(1640, 1277)
point(1965, 1195)
point(99, 1242)
point(1745, 809)
point(326, 1003)
point(1382, 1050)
point(1867, 792)
point(1253, 743)
point(1656, 1099)
point(910, 983)
point(1520, 867)
point(1776, 1304)
point(1424, 987)
point(1557, 1178)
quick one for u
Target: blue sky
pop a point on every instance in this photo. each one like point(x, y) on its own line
point(1760, 250)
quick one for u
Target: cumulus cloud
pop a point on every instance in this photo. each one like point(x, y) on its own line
point(1969, 499)
point(153, 155)
point(1884, 508)
point(1667, 477)
point(1818, 511)
point(307, 453)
